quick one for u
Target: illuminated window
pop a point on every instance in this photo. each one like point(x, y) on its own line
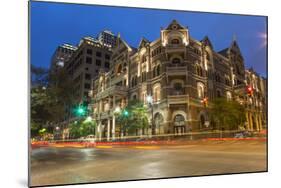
point(156, 93)
point(119, 69)
point(144, 97)
point(200, 90)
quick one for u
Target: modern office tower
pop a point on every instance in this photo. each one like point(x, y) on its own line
point(61, 56)
point(107, 38)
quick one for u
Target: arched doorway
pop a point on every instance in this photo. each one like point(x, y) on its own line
point(158, 120)
point(179, 124)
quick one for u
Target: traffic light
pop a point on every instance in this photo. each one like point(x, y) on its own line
point(125, 113)
point(204, 102)
point(250, 91)
point(80, 110)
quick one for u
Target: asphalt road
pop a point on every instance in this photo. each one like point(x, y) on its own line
point(79, 165)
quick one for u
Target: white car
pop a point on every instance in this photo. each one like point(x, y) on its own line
point(90, 138)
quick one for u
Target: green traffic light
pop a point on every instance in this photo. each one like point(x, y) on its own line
point(80, 111)
point(126, 113)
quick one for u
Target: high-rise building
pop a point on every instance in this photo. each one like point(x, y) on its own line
point(89, 59)
point(179, 74)
point(107, 38)
point(61, 55)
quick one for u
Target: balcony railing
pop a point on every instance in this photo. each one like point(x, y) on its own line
point(118, 90)
point(175, 46)
point(177, 99)
point(177, 70)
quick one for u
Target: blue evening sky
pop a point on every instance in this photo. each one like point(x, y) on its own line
point(53, 24)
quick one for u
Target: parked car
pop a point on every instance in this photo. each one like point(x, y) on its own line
point(90, 138)
point(243, 134)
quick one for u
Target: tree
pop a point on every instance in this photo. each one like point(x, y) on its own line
point(82, 128)
point(51, 94)
point(227, 115)
point(39, 99)
point(133, 117)
point(39, 76)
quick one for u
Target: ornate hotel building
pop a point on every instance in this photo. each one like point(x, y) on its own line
point(179, 72)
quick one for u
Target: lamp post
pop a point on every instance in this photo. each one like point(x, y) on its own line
point(149, 100)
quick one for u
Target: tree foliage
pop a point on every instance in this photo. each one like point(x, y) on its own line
point(82, 128)
point(51, 93)
point(228, 115)
point(135, 119)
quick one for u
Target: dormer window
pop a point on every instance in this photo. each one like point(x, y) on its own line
point(174, 27)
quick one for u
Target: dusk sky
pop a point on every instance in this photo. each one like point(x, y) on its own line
point(53, 24)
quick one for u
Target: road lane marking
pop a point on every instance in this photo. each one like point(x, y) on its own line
point(146, 147)
point(59, 146)
point(106, 147)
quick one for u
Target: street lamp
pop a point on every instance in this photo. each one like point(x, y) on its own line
point(149, 100)
point(88, 119)
point(117, 109)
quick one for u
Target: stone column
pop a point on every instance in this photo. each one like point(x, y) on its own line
point(248, 122)
point(113, 119)
point(251, 121)
point(108, 129)
point(109, 103)
point(257, 122)
point(260, 122)
point(99, 131)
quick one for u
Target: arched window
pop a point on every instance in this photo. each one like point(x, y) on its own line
point(136, 80)
point(134, 97)
point(200, 90)
point(143, 76)
point(175, 41)
point(158, 121)
point(154, 72)
point(179, 120)
point(144, 95)
point(119, 69)
point(156, 93)
point(158, 70)
point(227, 81)
point(176, 61)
